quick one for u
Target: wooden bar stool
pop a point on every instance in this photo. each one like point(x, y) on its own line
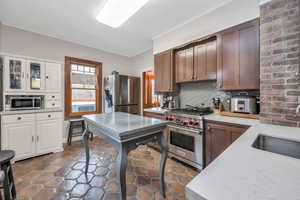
point(76, 129)
point(8, 181)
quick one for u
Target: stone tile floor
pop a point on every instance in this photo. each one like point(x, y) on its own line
point(60, 176)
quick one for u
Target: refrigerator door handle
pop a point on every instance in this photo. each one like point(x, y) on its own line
point(129, 91)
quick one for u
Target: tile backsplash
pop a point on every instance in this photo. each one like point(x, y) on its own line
point(197, 93)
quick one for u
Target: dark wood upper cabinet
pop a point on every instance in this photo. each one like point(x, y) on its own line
point(164, 72)
point(205, 61)
point(197, 63)
point(218, 136)
point(184, 65)
point(238, 57)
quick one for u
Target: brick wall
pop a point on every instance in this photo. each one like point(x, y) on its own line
point(280, 80)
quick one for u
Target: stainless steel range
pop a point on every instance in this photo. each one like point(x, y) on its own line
point(185, 134)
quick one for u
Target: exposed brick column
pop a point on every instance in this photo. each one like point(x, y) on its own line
point(280, 43)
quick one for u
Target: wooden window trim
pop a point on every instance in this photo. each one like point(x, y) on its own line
point(68, 89)
point(147, 93)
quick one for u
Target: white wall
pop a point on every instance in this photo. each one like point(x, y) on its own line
point(0, 36)
point(20, 42)
point(143, 62)
point(233, 13)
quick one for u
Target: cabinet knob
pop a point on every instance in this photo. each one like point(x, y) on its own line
point(19, 118)
point(53, 104)
point(208, 128)
point(53, 96)
point(49, 116)
point(47, 77)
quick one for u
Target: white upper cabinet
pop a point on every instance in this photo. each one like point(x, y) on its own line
point(32, 76)
point(53, 77)
point(15, 74)
point(35, 75)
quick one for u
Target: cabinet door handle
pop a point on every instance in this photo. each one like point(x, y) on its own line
point(23, 74)
point(19, 118)
point(32, 138)
point(53, 97)
point(27, 75)
point(37, 138)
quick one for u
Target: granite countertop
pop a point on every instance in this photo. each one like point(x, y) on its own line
point(156, 110)
point(120, 125)
point(30, 111)
point(242, 172)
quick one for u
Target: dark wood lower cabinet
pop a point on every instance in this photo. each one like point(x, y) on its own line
point(219, 136)
point(154, 115)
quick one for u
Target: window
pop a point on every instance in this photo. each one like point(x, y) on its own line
point(150, 98)
point(83, 87)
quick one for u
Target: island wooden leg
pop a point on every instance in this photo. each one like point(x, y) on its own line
point(122, 165)
point(86, 147)
point(163, 159)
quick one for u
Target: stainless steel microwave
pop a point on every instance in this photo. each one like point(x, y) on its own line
point(14, 103)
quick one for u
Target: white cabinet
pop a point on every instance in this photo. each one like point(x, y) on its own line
point(19, 137)
point(32, 134)
point(26, 75)
point(35, 75)
point(53, 77)
point(15, 74)
point(48, 135)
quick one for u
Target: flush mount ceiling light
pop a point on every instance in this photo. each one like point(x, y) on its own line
point(115, 12)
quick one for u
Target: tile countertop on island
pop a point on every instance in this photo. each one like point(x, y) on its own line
point(242, 172)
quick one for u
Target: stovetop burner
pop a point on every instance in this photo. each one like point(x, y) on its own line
point(192, 111)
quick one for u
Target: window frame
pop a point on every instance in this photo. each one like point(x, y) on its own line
point(68, 86)
point(148, 89)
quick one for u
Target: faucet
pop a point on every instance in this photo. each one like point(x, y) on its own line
point(298, 110)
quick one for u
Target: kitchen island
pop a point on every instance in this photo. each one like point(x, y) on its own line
point(243, 172)
point(126, 132)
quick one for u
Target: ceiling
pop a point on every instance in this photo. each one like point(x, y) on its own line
point(74, 20)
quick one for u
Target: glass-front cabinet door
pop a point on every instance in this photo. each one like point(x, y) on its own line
point(35, 75)
point(15, 74)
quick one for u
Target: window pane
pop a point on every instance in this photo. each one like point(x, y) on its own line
point(83, 100)
point(84, 78)
point(80, 68)
point(74, 67)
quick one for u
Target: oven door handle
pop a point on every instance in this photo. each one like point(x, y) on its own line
point(186, 129)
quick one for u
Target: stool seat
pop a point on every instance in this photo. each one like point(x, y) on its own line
point(76, 120)
point(6, 156)
point(76, 128)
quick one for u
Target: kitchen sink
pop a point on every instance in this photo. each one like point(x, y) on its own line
point(278, 145)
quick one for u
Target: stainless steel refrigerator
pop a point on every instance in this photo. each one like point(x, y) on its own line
point(122, 94)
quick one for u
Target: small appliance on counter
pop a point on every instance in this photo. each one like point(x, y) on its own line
point(244, 104)
point(170, 102)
